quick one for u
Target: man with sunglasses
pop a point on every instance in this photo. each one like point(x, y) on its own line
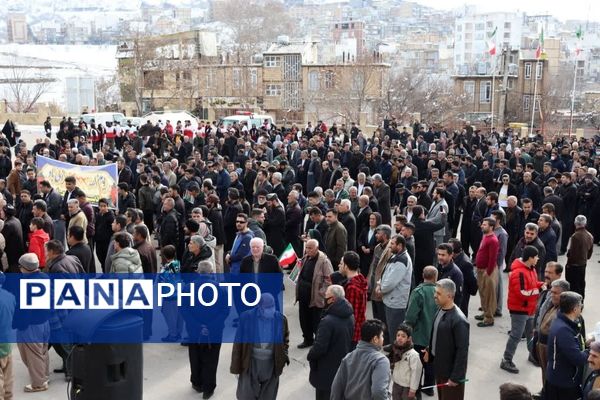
point(241, 244)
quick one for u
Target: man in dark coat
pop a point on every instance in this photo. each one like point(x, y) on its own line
point(381, 191)
point(469, 279)
point(275, 225)
point(79, 249)
point(424, 241)
point(232, 208)
point(347, 219)
point(567, 191)
point(169, 225)
point(333, 341)
point(13, 232)
point(265, 263)
point(294, 220)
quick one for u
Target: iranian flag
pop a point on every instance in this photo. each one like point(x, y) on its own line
point(540, 48)
point(491, 42)
point(288, 256)
point(579, 35)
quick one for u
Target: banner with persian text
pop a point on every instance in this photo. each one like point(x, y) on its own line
point(97, 181)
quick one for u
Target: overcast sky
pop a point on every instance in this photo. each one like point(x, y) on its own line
point(563, 10)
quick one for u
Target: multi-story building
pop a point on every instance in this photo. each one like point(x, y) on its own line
point(286, 81)
point(17, 29)
point(472, 32)
point(519, 83)
point(350, 34)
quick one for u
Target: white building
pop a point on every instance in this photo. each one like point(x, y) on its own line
point(471, 33)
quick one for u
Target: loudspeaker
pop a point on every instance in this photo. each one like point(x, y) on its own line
point(107, 371)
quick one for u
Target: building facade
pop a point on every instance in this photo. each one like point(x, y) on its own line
point(286, 81)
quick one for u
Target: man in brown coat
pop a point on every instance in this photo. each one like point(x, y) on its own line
point(313, 280)
point(149, 265)
point(381, 255)
point(260, 365)
point(580, 250)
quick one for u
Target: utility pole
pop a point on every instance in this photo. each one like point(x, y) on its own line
point(504, 91)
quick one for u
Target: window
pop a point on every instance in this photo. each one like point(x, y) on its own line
point(536, 102)
point(479, 36)
point(458, 38)
point(329, 80)
point(237, 78)
point(507, 25)
point(479, 27)
point(468, 36)
point(468, 26)
point(489, 24)
point(183, 78)
point(313, 81)
point(468, 46)
point(458, 28)
point(485, 92)
point(358, 80)
point(526, 100)
point(527, 70)
point(154, 79)
point(511, 84)
point(210, 78)
point(506, 35)
point(273, 90)
point(457, 58)
point(469, 89)
point(253, 78)
point(539, 68)
point(271, 61)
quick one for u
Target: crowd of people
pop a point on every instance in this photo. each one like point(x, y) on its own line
point(415, 220)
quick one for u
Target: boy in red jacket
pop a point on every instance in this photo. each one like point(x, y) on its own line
point(523, 292)
point(37, 239)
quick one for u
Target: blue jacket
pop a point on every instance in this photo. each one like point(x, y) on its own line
point(566, 359)
point(239, 250)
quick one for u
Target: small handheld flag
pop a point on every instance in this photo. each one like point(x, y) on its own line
point(288, 256)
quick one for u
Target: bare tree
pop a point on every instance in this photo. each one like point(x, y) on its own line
point(432, 96)
point(25, 87)
point(108, 96)
point(254, 24)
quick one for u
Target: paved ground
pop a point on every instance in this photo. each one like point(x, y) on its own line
point(166, 369)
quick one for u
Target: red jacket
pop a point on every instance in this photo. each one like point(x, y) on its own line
point(523, 288)
point(356, 294)
point(37, 240)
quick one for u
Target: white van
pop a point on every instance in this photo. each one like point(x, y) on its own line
point(250, 118)
point(172, 116)
point(103, 118)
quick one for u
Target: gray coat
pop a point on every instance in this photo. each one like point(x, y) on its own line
point(363, 374)
point(435, 215)
point(396, 280)
point(126, 261)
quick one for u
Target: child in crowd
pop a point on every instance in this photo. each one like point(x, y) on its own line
point(406, 365)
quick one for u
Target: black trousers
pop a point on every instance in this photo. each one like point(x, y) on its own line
point(575, 275)
point(428, 372)
point(322, 394)
point(101, 252)
point(149, 220)
point(309, 320)
point(379, 313)
point(552, 392)
point(204, 360)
